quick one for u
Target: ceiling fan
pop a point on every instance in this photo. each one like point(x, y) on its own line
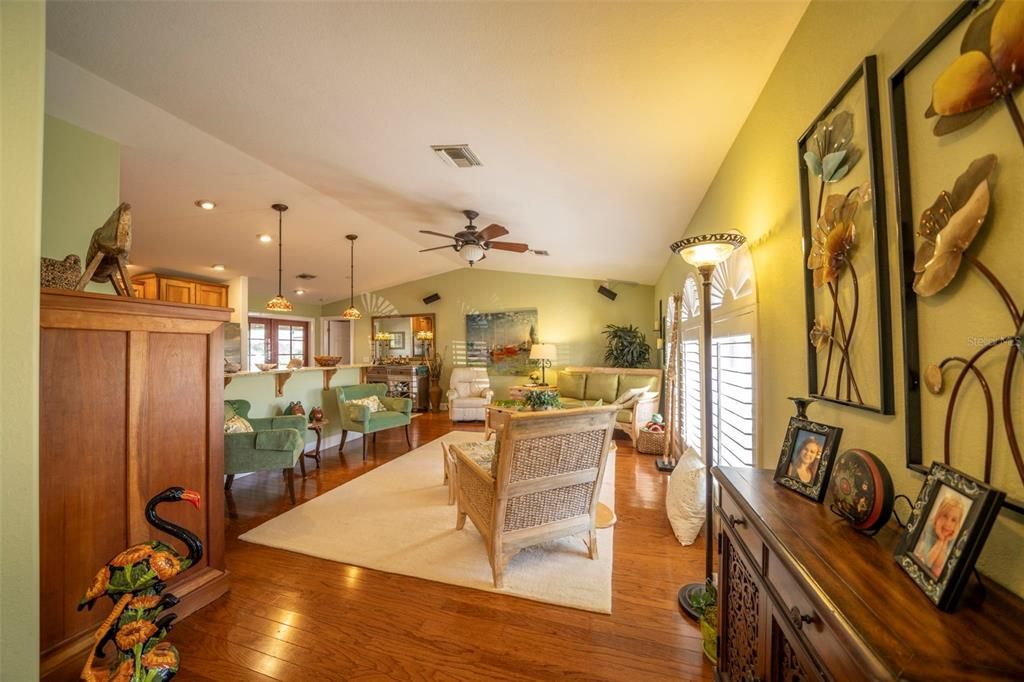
point(472, 245)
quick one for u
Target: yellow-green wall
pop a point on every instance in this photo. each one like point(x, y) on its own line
point(81, 187)
point(22, 62)
point(756, 190)
point(570, 312)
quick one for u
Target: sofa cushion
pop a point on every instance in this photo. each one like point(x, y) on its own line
point(648, 383)
point(602, 386)
point(571, 402)
point(572, 385)
point(628, 397)
point(624, 416)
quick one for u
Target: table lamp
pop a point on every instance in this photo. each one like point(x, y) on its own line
point(543, 354)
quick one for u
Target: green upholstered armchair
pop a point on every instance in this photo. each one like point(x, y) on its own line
point(358, 418)
point(275, 443)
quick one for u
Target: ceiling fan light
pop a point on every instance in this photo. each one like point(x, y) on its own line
point(352, 313)
point(471, 253)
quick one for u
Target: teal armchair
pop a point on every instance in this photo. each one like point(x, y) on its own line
point(276, 443)
point(358, 418)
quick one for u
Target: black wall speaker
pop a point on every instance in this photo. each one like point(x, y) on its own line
point(606, 292)
point(432, 298)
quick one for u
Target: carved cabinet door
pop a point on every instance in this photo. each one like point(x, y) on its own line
point(789, 661)
point(743, 611)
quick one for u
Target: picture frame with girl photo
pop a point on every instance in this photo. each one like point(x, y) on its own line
point(808, 454)
point(946, 531)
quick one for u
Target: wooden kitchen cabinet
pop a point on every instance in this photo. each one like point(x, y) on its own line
point(180, 290)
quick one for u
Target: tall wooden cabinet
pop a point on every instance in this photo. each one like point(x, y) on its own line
point(131, 403)
point(803, 596)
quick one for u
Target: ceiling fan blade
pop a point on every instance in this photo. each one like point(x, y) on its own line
point(446, 246)
point(438, 234)
point(518, 247)
point(492, 231)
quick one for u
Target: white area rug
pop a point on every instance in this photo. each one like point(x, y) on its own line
point(396, 519)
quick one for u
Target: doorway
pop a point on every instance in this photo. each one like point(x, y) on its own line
point(337, 338)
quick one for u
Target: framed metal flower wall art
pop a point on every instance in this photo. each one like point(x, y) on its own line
point(958, 144)
point(846, 281)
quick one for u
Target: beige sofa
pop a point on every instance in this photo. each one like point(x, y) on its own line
point(579, 386)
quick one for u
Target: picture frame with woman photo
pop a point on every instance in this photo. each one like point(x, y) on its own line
point(947, 528)
point(808, 454)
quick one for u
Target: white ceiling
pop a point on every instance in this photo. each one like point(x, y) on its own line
point(600, 127)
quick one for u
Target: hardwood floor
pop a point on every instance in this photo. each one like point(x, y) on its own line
point(294, 617)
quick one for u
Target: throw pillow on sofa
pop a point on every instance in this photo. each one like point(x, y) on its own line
point(628, 397)
point(237, 425)
point(373, 402)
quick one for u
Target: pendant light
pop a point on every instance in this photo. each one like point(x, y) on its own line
point(279, 303)
point(352, 313)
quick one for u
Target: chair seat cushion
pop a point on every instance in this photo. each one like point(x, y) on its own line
point(481, 452)
point(386, 419)
point(469, 402)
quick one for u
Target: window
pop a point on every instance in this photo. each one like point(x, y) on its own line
point(732, 363)
point(279, 341)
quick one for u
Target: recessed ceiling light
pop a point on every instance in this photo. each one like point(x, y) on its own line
point(206, 204)
point(300, 292)
point(217, 266)
point(265, 238)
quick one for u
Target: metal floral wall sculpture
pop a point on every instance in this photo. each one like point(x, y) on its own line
point(846, 280)
point(962, 282)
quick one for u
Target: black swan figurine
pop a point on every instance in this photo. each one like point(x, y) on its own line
point(134, 580)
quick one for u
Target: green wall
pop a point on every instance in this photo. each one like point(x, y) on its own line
point(570, 312)
point(22, 70)
point(81, 187)
point(757, 191)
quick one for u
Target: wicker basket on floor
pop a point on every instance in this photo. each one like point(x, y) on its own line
point(650, 442)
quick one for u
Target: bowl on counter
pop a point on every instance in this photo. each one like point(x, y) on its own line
point(266, 366)
point(327, 360)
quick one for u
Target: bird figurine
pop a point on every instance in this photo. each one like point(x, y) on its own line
point(134, 580)
point(142, 566)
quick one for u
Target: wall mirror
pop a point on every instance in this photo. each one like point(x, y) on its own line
point(404, 336)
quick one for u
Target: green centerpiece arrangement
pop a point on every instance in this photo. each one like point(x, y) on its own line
point(542, 400)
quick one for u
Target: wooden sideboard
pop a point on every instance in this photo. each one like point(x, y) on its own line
point(158, 287)
point(130, 403)
point(802, 596)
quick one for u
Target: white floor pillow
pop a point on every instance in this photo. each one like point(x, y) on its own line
point(684, 499)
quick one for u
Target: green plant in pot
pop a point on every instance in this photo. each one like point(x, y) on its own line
point(627, 346)
point(542, 400)
point(706, 605)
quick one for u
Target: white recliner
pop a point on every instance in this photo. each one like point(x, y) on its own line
point(469, 394)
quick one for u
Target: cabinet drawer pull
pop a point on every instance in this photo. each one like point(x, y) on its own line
point(798, 619)
point(736, 521)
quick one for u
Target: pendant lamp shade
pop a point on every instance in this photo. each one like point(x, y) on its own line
point(352, 313)
point(279, 304)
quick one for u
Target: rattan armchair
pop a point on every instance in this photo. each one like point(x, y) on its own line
point(541, 485)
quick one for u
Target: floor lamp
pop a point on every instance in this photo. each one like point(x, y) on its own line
point(705, 252)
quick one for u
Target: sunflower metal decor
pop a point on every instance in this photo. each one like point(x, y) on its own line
point(846, 277)
point(962, 284)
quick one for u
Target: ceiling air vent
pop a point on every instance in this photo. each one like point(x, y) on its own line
point(305, 275)
point(457, 155)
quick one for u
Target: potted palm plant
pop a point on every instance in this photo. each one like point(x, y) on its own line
point(706, 606)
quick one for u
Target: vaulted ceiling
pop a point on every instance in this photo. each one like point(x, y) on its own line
point(600, 126)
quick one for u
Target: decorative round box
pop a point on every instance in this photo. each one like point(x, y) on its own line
point(861, 490)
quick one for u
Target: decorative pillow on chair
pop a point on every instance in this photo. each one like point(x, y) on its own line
point(237, 425)
point(373, 402)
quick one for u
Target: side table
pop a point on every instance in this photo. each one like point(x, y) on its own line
point(317, 426)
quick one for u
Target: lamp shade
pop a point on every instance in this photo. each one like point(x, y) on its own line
point(351, 313)
point(543, 351)
point(708, 249)
point(471, 253)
